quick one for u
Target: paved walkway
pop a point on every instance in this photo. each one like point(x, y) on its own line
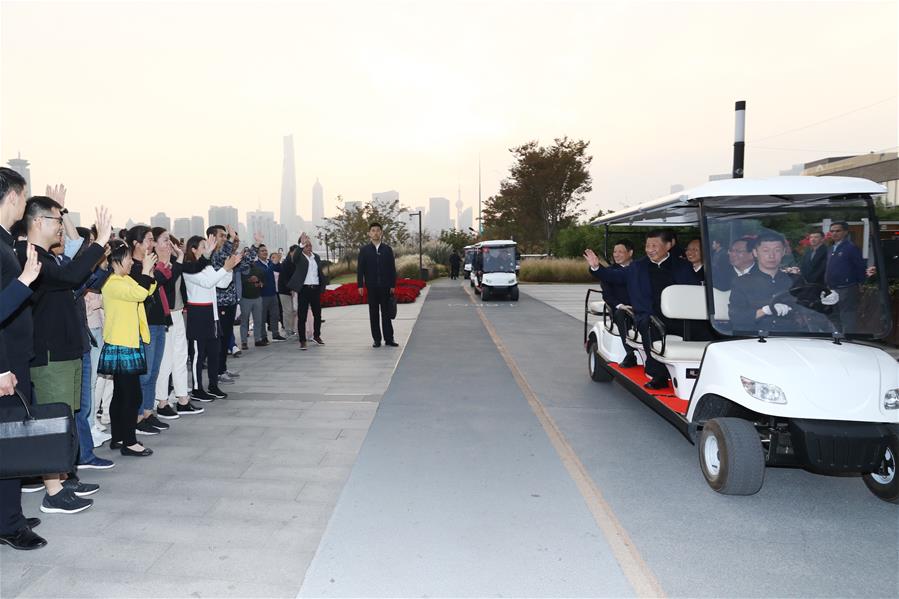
point(234, 501)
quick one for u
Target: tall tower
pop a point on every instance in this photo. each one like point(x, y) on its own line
point(288, 186)
point(459, 205)
point(22, 167)
point(318, 203)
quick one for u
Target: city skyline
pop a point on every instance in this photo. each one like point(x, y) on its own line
point(419, 117)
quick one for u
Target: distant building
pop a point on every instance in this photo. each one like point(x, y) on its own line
point(881, 168)
point(793, 171)
point(223, 215)
point(181, 228)
point(288, 185)
point(465, 220)
point(161, 220)
point(352, 205)
point(23, 167)
point(438, 215)
point(197, 227)
point(318, 204)
point(384, 198)
point(273, 234)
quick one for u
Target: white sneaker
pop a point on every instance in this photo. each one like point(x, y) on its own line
point(98, 425)
point(99, 437)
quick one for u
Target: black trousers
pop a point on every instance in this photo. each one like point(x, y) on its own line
point(126, 400)
point(205, 351)
point(11, 517)
point(226, 319)
point(847, 309)
point(619, 317)
point(377, 303)
point(309, 297)
point(653, 367)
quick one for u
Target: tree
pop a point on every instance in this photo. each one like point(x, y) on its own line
point(543, 193)
point(349, 229)
point(456, 239)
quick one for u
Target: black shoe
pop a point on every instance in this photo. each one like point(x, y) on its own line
point(168, 412)
point(376, 344)
point(217, 393)
point(156, 422)
point(657, 383)
point(262, 343)
point(145, 428)
point(392, 343)
point(303, 345)
point(189, 409)
point(629, 362)
point(318, 340)
point(279, 338)
point(24, 539)
point(200, 395)
point(79, 488)
point(115, 444)
point(33, 522)
point(145, 452)
point(64, 502)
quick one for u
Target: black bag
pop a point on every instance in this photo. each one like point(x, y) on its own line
point(36, 440)
point(391, 307)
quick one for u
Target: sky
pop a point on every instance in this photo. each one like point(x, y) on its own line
point(175, 106)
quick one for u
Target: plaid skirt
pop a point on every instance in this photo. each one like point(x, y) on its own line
point(117, 359)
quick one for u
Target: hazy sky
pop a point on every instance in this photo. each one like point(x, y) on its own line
point(175, 106)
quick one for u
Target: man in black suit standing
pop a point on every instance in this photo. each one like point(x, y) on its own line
point(308, 281)
point(377, 271)
point(814, 261)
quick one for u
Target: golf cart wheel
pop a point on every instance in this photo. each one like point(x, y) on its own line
point(885, 482)
point(485, 293)
point(731, 456)
point(598, 370)
point(513, 294)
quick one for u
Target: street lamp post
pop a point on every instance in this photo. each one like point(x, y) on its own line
point(421, 269)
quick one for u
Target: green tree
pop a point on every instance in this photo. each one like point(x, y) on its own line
point(543, 193)
point(457, 239)
point(349, 229)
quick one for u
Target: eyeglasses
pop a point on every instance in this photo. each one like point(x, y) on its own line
point(58, 219)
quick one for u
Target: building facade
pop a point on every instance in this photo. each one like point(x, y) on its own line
point(880, 167)
point(160, 219)
point(318, 204)
point(23, 167)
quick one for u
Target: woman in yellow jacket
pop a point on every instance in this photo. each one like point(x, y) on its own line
point(123, 353)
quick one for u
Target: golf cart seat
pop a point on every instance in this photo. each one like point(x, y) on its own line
point(682, 302)
point(596, 307)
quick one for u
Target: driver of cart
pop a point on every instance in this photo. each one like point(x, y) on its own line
point(767, 299)
point(645, 279)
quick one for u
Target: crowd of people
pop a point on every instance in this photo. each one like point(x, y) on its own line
point(134, 330)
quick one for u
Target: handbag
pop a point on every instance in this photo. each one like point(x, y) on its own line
point(391, 307)
point(36, 440)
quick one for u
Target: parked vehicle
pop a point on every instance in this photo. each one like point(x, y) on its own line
point(802, 388)
point(495, 269)
point(469, 252)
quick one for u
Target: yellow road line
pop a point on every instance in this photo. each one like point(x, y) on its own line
point(626, 553)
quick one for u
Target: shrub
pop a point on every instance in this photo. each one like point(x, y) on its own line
point(555, 270)
point(407, 266)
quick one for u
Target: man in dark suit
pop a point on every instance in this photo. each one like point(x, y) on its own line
point(646, 278)
point(308, 281)
point(376, 270)
point(845, 272)
point(16, 350)
point(617, 299)
point(740, 262)
point(814, 260)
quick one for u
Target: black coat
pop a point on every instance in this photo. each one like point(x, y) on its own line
point(376, 269)
point(17, 331)
point(812, 268)
point(285, 271)
point(301, 269)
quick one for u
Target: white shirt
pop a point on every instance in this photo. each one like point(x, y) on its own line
point(312, 272)
point(740, 273)
point(202, 285)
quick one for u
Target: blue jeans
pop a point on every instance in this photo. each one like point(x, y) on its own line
point(82, 416)
point(154, 358)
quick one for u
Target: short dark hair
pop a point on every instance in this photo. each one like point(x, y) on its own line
point(38, 205)
point(10, 180)
point(768, 236)
point(745, 239)
point(375, 224)
point(211, 229)
point(260, 246)
point(696, 239)
point(841, 223)
point(628, 245)
point(663, 234)
point(136, 235)
point(816, 232)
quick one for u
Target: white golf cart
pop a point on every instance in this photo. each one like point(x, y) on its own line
point(795, 382)
point(469, 252)
point(495, 269)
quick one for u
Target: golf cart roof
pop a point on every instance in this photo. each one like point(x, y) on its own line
point(497, 243)
point(679, 209)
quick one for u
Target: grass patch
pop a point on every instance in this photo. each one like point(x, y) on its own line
point(555, 270)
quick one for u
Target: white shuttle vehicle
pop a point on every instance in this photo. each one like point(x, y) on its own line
point(815, 393)
point(469, 252)
point(495, 269)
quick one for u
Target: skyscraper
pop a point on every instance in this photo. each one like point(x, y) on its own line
point(318, 203)
point(160, 219)
point(465, 220)
point(196, 226)
point(288, 186)
point(181, 228)
point(223, 215)
point(21, 166)
point(383, 199)
point(438, 214)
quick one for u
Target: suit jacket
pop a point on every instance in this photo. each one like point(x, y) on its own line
point(845, 265)
point(376, 269)
point(813, 268)
point(639, 282)
point(615, 293)
point(17, 329)
point(285, 270)
point(301, 269)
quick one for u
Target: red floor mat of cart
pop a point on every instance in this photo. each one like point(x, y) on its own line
point(665, 396)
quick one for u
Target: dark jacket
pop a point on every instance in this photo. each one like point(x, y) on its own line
point(615, 293)
point(376, 269)
point(16, 328)
point(153, 304)
point(812, 268)
point(301, 269)
point(268, 281)
point(285, 270)
point(57, 323)
point(755, 290)
point(638, 279)
point(845, 265)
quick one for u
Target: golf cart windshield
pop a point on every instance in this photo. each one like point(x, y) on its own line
point(469, 255)
point(498, 259)
point(794, 268)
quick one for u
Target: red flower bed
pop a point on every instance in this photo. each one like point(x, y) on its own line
point(348, 294)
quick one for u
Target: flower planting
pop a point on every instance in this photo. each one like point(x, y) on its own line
point(348, 294)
